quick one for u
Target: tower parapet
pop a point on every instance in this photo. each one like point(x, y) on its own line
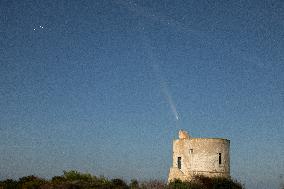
point(183, 134)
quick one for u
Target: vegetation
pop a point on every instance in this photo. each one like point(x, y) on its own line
point(77, 180)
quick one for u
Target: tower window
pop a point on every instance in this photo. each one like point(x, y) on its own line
point(191, 151)
point(179, 162)
point(220, 158)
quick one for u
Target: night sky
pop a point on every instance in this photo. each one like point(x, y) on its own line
point(104, 86)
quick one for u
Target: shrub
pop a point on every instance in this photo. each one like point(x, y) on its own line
point(31, 182)
point(153, 184)
point(76, 180)
point(119, 184)
point(218, 183)
point(74, 175)
point(58, 180)
point(134, 184)
point(178, 184)
point(8, 184)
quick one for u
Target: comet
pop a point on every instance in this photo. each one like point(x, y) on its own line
point(170, 101)
point(153, 60)
point(165, 91)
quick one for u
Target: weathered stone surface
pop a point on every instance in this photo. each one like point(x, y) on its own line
point(200, 156)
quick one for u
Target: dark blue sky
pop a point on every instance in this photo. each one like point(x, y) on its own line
point(92, 85)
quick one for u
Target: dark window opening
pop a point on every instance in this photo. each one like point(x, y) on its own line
point(220, 158)
point(191, 151)
point(179, 162)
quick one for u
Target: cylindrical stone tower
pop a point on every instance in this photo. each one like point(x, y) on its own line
point(199, 156)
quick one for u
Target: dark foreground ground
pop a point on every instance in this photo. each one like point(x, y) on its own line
point(76, 180)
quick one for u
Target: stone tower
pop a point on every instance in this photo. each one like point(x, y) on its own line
point(199, 156)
